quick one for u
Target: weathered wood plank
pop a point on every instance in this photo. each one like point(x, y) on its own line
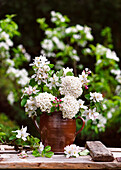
point(56, 162)
point(10, 160)
point(7, 147)
point(99, 152)
point(114, 149)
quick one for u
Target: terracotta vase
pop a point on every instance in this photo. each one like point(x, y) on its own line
point(56, 131)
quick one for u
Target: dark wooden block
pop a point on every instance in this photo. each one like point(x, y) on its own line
point(99, 152)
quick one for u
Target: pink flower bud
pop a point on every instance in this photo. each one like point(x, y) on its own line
point(59, 105)
point(53, 101)
point(86, 87)
point(60, 100)
point(56, 106)
point(55, 98)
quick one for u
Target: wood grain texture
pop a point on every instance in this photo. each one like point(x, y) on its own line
point(12, 161)
point(99, 152)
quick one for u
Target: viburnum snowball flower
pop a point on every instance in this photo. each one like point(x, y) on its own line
point(43, 101)
point(69, 107)
point(71, 86)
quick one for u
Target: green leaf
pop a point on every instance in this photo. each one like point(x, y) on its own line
point(2, 134)
point(42, 23)
point(84, 152)
point(32, 82)
point(51, 65)
point(49, 154)
point(12, 137)
point(47, 148)
point(87, 96)
point(1, 140)
point(69, 73)
point(60, 73)
point(52, 109)
point(23, 102)
point(36, 153)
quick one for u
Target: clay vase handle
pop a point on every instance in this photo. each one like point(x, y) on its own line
point(36, 124)
point(79, 117)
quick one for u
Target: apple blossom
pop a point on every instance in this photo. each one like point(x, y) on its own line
point(22, 133)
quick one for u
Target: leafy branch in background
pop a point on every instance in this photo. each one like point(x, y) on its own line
point(11, 60)
point(64, 43)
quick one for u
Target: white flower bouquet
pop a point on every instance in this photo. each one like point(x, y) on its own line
point(49, 91)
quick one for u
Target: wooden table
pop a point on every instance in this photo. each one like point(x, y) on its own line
point(12, 161)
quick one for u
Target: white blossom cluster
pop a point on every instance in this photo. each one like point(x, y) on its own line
point(57, 16)
point(118, 89)
point(41, 69)
point(10, 98)
point(72, 151)
point(69, 107)
point(5, 40)
point(10, 62)
point(5, 44)
point(83, 78)
point(111, 55)
point(110, 113)
point(54, 40)
point(23, 50)
point(71, 85)
point(47, 44)
point(78, 28)
point(118, 75)
point(30, 90)
point(30, 106)
point(101, 122)
point(74, 55)
point(53, 82)
point(96, 97)
point(60, 45)
point(101, 50)
point(21, 75)
point(91, 114)
point(43, 101)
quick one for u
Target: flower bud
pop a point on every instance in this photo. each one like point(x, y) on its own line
point(86, 87)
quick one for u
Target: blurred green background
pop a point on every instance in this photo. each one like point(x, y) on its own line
point(95, 14)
